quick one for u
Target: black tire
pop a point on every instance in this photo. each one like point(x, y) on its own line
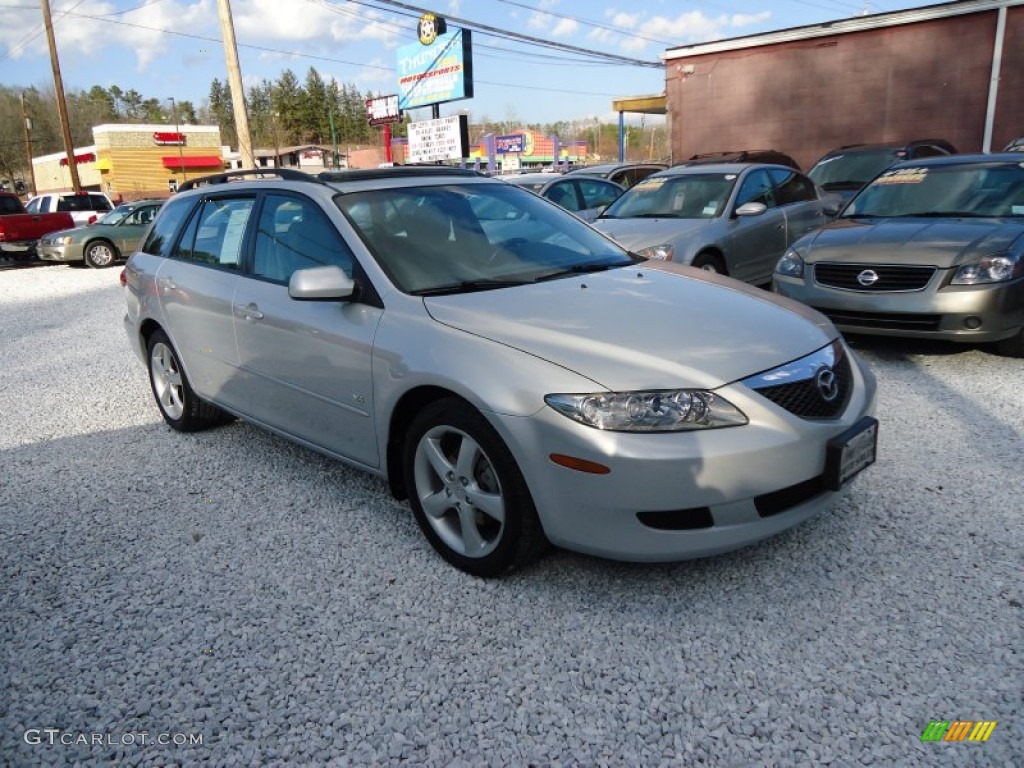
point(710, 262)
point(99, 254)
point(448, 430)
point(1013, 346)
point(181, 408)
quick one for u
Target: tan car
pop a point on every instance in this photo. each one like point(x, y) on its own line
point(110, 239)
point(930, 249)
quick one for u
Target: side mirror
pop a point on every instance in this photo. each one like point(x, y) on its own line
point(751, 209)
point(831, 208)
point(320, 284)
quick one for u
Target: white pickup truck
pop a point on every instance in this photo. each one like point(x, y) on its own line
point(84, 207)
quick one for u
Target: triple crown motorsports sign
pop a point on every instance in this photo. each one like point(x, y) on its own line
point(432, 141)
point(436, 69)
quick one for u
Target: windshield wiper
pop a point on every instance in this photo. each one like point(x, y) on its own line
point(580, 269)
point(942, 215)
point(464, 286)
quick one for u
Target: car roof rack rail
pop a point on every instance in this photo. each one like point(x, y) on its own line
point(288, 174)
point(396, 172)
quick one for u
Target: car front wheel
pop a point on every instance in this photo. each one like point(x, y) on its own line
point(467, 493)
point(99, 254)
point(710, 262)
point(181, 408)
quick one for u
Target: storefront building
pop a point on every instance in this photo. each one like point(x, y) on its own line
point(135, 161)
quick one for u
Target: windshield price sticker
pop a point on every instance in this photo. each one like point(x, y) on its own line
point(903, 176)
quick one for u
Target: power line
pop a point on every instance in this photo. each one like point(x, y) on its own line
point(315, 57)
point(501, 33)
point(477, 46)
point(577, 19)
point(42, 29)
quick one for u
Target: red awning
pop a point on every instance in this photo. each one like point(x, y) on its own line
point(88, 157)
point(194, 161)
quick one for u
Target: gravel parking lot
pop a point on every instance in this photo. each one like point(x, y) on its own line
point(232, 589)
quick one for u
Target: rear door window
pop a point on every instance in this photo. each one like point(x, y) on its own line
point(215, 234)
point(161, 236)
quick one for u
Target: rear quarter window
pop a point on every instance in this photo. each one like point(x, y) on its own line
point(161, 237)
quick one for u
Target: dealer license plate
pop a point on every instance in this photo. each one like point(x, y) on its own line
point(851, 452)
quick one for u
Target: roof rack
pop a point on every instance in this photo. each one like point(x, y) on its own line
point(398, 171)
point(288, 174)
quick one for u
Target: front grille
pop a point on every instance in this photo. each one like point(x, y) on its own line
point(889, 278)
point(892, 321)
point(777, 502)
point(807, 382)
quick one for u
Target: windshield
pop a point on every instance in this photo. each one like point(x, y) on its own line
point(460, 237)
point(978, 189)
point(83, 202)
point(682, 196)
point(855, 168)
point(116, 215)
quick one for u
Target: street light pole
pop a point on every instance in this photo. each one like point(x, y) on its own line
point(178, 137)
point(28, 144)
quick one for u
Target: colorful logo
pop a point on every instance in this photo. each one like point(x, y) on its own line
point(958, 730)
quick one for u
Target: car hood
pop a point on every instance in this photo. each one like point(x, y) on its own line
point(51, 236)
point(634, 234)
point(940, 243)
point(653, 326)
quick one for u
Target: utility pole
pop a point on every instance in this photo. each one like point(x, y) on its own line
point(334, 139)
point(62, 107)
point(227, 29)
point(28, 144)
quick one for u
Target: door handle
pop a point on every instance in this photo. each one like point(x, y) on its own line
point(250, 311)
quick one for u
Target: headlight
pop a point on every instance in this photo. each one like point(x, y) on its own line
point(66, 240)
point(989, 269)
point(663, 252)
point(791, 264)
point(656, 411)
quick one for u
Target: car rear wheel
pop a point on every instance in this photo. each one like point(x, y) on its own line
point(100, 253)
point(710, 262)
point(467, 493)
point(181, 408)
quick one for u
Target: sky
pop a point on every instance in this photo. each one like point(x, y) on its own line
point(172, 48)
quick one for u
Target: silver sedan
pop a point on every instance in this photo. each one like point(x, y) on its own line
point(735, 219)
point(516, 375)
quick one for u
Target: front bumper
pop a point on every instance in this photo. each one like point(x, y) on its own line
point(677, 496)
point(70, 252)
point(963, 313)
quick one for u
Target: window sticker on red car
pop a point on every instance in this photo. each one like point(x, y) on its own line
point(903, 176)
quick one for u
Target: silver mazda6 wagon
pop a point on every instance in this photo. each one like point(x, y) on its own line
point(515, 374)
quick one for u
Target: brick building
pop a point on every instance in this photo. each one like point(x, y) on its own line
point(952, 71)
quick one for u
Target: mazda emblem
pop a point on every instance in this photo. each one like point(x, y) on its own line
point(828, 384)
point(867, 277)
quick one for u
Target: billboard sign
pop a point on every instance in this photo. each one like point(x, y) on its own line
point(383, 109)
point(511, 144)
point(435, 73)
point(432, 141)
